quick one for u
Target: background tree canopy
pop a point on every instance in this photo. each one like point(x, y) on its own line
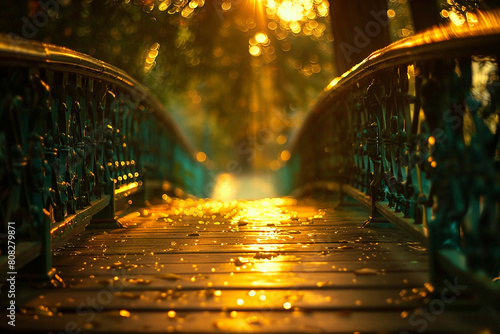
point(238, 75)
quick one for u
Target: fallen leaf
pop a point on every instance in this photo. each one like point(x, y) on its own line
point(169, 277)
point(366, 271)
point(265, 255)
point(128, 295)
point(240, 261)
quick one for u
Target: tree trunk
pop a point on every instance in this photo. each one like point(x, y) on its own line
point(359, 27)
point(425, 14)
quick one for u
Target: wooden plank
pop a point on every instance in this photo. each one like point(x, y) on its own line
point(336, 277)
point(158, 243)
point(276, 267)
point(242, 280)
point(240, 264)
point(221, 231)
point(61, 232)
point(296, 234)
point(263, 321)
point(338, 258)
point(194, 246)
point(236, 299)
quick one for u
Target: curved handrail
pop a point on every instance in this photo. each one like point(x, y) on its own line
point(78, 138)
point(405, 133)
point(16, 50)
point(436, 42)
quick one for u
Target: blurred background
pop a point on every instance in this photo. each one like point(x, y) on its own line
point(238, 76)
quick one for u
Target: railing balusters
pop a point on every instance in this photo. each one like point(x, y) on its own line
point(77, 137)
point(416, 134)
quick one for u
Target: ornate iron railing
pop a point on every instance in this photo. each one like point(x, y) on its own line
point(77, 136)
point(413, 132)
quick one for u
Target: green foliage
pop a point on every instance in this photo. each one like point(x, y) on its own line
point(462, 11)
point(195, 57)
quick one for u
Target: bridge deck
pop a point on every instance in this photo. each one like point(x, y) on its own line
point(257, 266)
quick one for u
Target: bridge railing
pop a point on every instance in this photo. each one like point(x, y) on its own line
point(77, 137)
point(413, 133)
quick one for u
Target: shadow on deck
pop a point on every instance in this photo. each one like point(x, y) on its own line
point(266, 266)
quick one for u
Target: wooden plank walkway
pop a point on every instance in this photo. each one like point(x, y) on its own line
point(268, 266)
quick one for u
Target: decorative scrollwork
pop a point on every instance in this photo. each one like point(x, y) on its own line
point(421, 138)
point(71, 135)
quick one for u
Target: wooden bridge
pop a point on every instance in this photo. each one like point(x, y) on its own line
point(266, 266)
point(392, 227)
